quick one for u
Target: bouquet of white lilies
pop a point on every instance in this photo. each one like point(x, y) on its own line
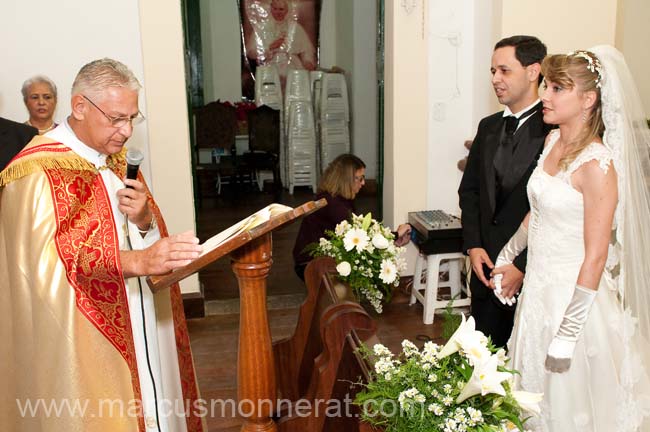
point(462, 386)
point(366, 257)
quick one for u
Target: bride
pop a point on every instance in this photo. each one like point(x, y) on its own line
point(582, 326)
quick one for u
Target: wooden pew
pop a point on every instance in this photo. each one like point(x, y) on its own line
point(319, 363)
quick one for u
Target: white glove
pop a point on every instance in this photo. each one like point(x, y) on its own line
point(517, 243)
point(560, 352)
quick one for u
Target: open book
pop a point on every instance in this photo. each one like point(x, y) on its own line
point(231, 239)
point(257, 218)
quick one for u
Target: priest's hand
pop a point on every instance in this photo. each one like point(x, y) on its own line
point(163, 256)
point(133, 203)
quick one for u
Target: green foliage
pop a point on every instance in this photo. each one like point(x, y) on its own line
point(451, 321)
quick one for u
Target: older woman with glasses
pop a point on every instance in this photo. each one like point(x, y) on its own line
point(39, 95)
point(341, 182)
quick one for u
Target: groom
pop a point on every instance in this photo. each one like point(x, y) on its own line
point(492, 192)
point(13, 137)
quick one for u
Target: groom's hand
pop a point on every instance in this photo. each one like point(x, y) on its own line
point(478, 257)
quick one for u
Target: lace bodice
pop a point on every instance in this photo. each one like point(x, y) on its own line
point(557, 212)
point(594, 151)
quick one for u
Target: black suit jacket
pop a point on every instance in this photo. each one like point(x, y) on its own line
point(13, 137)
point(490, 218)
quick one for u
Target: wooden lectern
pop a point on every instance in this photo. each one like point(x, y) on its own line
point(251, 254)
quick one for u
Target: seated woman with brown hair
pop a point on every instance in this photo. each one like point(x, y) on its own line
point(341, 182)
point(39, 95)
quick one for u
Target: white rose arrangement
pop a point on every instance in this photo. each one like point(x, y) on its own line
point(366, 257)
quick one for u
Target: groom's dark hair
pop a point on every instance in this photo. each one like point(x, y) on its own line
point(528, 49)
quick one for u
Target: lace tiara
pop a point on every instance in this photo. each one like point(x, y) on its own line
point(593, 64)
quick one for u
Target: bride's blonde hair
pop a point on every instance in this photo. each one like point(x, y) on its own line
point(582, 70)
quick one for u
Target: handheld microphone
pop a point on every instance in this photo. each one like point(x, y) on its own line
point(134, 158)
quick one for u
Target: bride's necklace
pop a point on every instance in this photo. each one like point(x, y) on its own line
point(42, 131)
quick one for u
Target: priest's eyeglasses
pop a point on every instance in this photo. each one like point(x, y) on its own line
point(118, 122)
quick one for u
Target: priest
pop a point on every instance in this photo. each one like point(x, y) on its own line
point(81, 330)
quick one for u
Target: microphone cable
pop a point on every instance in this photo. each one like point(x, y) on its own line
point(144, 329)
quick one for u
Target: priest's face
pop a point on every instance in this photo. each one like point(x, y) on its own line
point(107, 120)
point(511, 80)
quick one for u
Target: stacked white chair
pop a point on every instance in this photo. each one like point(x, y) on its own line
point(301, 146)
point(268, 91)
point(334, 118)
point(300, 130)
point(298, 89)
point(267, 87)
point(316, 79)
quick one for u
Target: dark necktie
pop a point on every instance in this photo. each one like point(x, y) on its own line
point(511, 125)
point(503, 154)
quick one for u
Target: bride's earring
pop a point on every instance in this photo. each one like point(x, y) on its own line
point(584, 116)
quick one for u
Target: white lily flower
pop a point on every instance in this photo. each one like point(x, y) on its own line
point(388, 272)
point(355, 238)
point(485, 379)
point(474, 348)
point(529, 401)
point(464, 336)
point(379, 241)
point(344, 268)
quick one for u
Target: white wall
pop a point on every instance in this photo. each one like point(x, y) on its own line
point(221, 49)
point(164, 68)
point(406, 113)
point(363, 84)
point(562, 25)
point(344, 35)
point(633, 39)
point(327, 49)
point(56, 39)
point(355, 27)
point(460, 45)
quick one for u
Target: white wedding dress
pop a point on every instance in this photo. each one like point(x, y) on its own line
point(607, 387)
